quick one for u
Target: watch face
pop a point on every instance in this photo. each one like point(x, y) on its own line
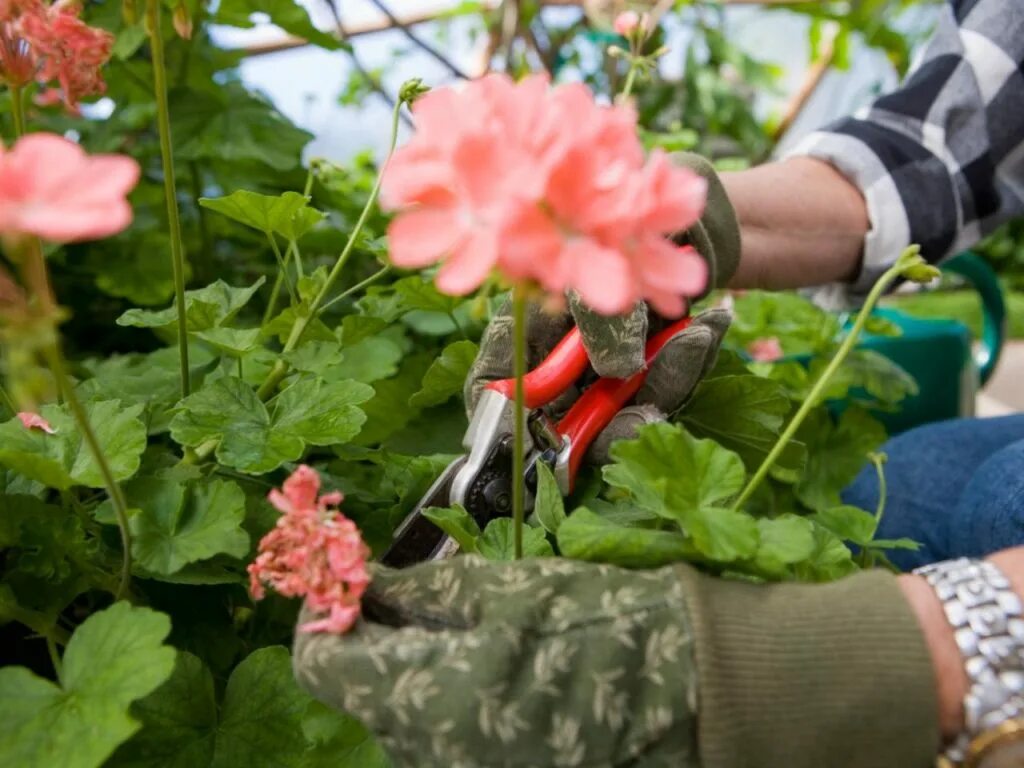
point(1001, 747)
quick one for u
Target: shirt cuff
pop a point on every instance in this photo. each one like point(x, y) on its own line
point(889, 227)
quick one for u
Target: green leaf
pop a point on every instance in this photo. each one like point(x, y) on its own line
point(744, 414)
point(339, 741)
point(784, 540)
point(255, 439)
point(115, 657)
point(287, 214)
point(446, 375)
point(588, 536)
point(498, 541)
point(457, 523)
point(418, 293)
point(370, 360)
point(835, 454)
point(904, 543)
point(176, 525)
point(205, 308)
point(231, 125)
point(549, 506)
point(287, 14)
point(260, 724)
point(231, 341)
point(670, 472)
point(800, 326)
point(848, 523)
point(63, 459)
point(880, 377)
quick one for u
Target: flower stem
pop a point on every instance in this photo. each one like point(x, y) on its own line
point(821, 384)
point(357, 287)
point(170, 187)
point(55, 360)
point(51, 648)
point(280, 369)
point(519, 299)
point(18, 111)
point(627, 89)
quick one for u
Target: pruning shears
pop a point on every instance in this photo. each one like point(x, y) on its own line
point(481, 479)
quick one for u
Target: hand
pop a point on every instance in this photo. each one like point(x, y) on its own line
point(615, 345)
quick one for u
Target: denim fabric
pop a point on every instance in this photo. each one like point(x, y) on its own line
point(956, 487)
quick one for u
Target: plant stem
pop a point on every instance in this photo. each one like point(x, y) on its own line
point(519, 300)
point(878, 459)
point(357, 287)
point(18, 111)
point(627, 89)
point(117, 500)
point(51, 648)
point(282, 267)
point(280, 368)
point(170, 187)
point(6, 398)
point(821, 384)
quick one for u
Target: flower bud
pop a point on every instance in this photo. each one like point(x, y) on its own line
point(412, 90)
point(626, 23)
point(616, 52)
point(182, 21)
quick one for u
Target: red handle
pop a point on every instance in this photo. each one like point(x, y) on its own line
point(559, 370)
point(605, 398)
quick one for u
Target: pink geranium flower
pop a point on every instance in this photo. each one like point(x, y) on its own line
point(627, 22)
point(51, 188)
point(49, 43)
point(546, 186)
point(35, 421)
point(765, 350)
point(315, 552)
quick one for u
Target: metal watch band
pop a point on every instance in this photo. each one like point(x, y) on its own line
point(988, 622)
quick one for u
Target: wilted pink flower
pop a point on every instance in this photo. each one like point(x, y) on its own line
point(626, 23)
point(315, 552)
point(35, 421)
point(765, 350)
point(546, 186)
point(49, 43)
point(51, 188)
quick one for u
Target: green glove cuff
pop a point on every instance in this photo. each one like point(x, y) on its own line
point(716, 236)
point(811, 675)
point(534, 664)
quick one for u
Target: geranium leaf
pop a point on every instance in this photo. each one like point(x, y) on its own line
point(231, 125)
point(287, 214)
point(115, 657)
point(498, 541)
point(257, 439)
point(207, 307)
point(457, 523)
point(231, 341)
point(177, 524)
point(417, 293)
point(446, 375)
point(848, 523)
point(783, 540)
point(670, 472)
point(878, 376)
point(549, 506)
point(259, 724)
point(588, 536)
point(744, 414)
point(835, 454)
point(63, 459)
point(370, 360)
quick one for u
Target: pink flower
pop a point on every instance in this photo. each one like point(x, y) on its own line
point(315, 552)
point(542, 185)
point(626, 23)
point(50, 43)
point(35, 421)
point(51, 188)
point(765, 350)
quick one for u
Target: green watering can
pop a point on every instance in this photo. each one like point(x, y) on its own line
point(938, 352)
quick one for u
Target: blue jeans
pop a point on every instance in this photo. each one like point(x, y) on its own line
point(956, 487)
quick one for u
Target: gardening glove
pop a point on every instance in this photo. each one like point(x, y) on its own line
point(615, 345)
point(539, 663)
point(548, 663)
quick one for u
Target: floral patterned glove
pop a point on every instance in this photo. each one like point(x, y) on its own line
point(533, 664)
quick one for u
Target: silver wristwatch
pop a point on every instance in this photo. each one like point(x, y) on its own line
point(988, 621)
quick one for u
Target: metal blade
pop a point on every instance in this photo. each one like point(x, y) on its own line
point(417, 539)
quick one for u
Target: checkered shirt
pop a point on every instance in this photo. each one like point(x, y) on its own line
point(940, 161)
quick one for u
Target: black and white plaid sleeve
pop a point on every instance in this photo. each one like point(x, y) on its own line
point(941, 160)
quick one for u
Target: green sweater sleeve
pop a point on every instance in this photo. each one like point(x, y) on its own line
point(811, 675)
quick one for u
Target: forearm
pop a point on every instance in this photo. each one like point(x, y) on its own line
point(801, 224)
